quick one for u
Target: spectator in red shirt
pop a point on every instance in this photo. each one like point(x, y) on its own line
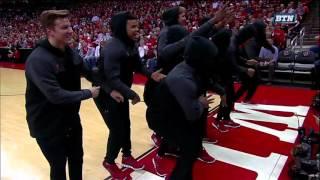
point(279, 37)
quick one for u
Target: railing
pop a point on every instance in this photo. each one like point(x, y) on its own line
point(297, 40)
point(301, 36)
point(293, 43)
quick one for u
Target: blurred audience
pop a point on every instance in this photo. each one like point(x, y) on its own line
point(20, 27)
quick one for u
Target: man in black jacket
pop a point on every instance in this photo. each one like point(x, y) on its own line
point(53, 97)
point(170, 50)
point(175, 16)
point(256, 34)
point(121, 59)
point(171, 43)
point(225, 71)
point(235, 61)
point(179, 104)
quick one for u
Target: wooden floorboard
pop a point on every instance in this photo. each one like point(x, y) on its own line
point(21, 157)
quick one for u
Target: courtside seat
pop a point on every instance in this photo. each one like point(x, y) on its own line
point(284, 66)
point(304, 66)
point(304, 62)
point(285, 62)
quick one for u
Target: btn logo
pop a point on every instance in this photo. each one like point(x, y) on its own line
point(285, 18)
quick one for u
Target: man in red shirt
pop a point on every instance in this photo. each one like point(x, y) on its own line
point(151, 43)
point(279, 37)
point(3, 42)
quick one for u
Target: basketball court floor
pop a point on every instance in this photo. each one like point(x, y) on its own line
point(260, 149)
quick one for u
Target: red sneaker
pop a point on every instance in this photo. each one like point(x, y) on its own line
point(219, 125)
point(205, 157)
point(128, 178)
point(114, 171)
point(247, 102)
point(231, 124)
point(209, 140)
point(172, 151)
point(130, 162)
point(167, 178)
point(156, 139)
point(158, 165)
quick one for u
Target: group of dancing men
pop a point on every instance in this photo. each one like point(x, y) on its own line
point(189, 65)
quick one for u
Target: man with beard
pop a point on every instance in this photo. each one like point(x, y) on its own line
point(120, 60)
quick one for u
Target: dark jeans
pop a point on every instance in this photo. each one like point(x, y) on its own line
point(316, 50)
point(317, 73)
point(249, 85)
point(189, 140)
point(271, 68)
point(60, 149)
point(224, 112)
point(116, 117)
point(177, 130)
point(91, 62)
point(148, 96)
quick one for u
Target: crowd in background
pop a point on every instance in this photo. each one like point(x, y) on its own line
point(90, 21)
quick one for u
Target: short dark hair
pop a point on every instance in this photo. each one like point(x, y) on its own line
point(48, 17)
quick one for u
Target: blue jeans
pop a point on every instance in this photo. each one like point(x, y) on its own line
point(317, 73)
point(316, 50)
point(91, 61)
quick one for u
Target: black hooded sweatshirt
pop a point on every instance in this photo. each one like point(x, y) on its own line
point(168, 51)
point(175, 103)
point(236, 52)
point(185, 81)
point(252, 48)
point(170, 16)
point(226, 66)
point(175, 33)
point(121, 58)
point(53, 92)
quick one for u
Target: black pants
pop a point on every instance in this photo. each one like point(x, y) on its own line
point(152, 116)
point(116, 117)
point(189, 140)
point(271, 68)
point(148, 96)
point(224, 112)
point(177, 130)
point(203, 123)
point(249, 85)
point(60, 149)
point(168, 146)
point(317, 73)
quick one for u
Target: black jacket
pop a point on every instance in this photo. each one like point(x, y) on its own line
point(236, 57)
point(176, 98)
point(169, 50)
point(174, 34)
point(121, 58)
point(53, 91)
